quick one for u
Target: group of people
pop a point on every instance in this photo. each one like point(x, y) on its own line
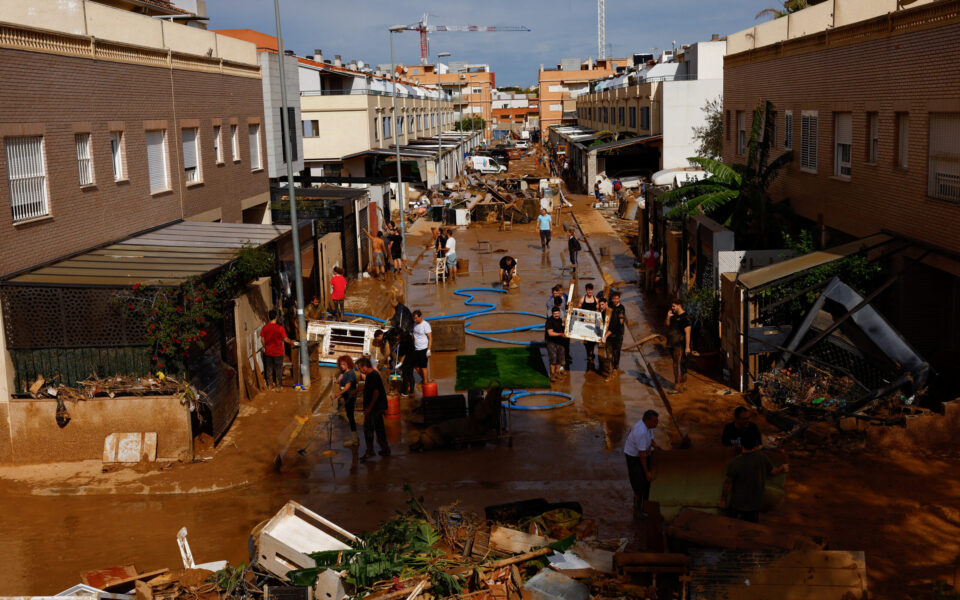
point(387, 251)
point(445, 245)
point(607, 362)
point(374, 403)
point(746, 474)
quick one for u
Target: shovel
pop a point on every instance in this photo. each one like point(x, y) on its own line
point(684, 438)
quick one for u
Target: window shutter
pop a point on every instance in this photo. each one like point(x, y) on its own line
point(84, 164)
point(254, 132)
point(27, 174)
point(844, 128)
point(156, 161)
point(813, 141)
point(944, 169)
point(189, 148)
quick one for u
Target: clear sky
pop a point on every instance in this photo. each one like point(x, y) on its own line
point(357, 29)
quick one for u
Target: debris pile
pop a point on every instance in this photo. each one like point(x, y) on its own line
point(120, 385)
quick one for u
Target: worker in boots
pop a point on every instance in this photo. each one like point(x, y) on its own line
point(616, 328)
point(603, 356)
point(374, 408)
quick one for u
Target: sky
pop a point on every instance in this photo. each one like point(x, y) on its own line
point(357, 29)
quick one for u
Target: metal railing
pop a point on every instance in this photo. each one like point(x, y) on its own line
point(645, 80)
point(369, 92)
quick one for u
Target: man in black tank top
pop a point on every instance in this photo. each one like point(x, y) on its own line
point(589, 302)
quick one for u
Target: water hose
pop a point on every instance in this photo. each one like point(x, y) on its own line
point(515, 395)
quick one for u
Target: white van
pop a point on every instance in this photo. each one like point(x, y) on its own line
point(523, 144)
point(485, 164)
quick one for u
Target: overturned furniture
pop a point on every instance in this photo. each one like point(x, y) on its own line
point(335, 339)
point(286, 540)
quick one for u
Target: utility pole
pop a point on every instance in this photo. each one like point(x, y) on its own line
point(396, 134)
point(440, 130)
point(295, 233)
point(601, 29)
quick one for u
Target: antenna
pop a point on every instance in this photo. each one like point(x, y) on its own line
point(601, 29)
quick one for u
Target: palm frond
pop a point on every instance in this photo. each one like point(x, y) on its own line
point(717, 169)
point(704, 204)
point(770, 172)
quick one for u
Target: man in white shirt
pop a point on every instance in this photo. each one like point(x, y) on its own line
point(422, 342)
point(544, 223)
point(451, 255)
point(638, 450)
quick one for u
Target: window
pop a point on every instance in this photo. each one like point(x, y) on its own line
point(556, 108)
point(556, 88)
point(116, 155)
point(903, 138)
point(157, 161)
point(622, 121)
point(476, 90)
point(843, 138)
point(410, 128)
point(772, 119)
point(28, 177)
point(376, 128)
point(645, 117)
point(217, 149)
point(311, 128)
point(433, 120)
point(254, 133)
point(386, 128)
point(291, 126)
point(729, 126)
point(84, 160)
point(400, 125)
point(944, 163)
point(633, 116)
point(191, 155)
point(234, 143)
point(419, 122)
point(808, 140)
point(788, 129)
point(741, 133)
point(873, 137)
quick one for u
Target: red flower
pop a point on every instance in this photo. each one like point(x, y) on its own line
point(203, 334)
point(155, 359)
point(136, 286)
point(179, 309)
point(130, 306)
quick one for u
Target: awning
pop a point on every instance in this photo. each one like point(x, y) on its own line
point(166, 257)
point(625, 143)
point(777, 271)
point(393, 152)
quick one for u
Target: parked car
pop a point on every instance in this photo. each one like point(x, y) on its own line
point(523, 144)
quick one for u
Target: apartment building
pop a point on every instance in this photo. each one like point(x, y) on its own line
point(867, 97)
point(273, 129)
point(560, 87)
point(513, 112)
point(350, 129)
point(469, 86)
point(114, 122)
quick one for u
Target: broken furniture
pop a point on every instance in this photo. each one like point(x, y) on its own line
point(293, 533)
point(187, 555)
point(335, 339)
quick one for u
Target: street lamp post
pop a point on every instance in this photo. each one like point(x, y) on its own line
point(396, 134)
point(295, 233)
point(440, 123)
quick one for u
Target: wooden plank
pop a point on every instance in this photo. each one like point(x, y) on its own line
point(101, 578)
point(126, 584)
point(512, 541)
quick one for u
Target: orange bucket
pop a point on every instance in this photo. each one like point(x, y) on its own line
point(393, 406)
point(430, 389)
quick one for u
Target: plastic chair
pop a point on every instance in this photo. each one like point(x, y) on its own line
point(439, 270)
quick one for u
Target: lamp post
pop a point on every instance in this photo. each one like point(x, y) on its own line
point(295, 233)
point(396, 133)
point(440, 123)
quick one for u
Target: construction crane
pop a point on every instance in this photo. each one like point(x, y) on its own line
point(424, 29)
point(601, 29)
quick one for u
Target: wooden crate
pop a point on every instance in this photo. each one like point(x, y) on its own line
point(448, 336)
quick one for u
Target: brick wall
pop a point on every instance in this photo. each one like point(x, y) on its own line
point(913, 72)
point(62, 95)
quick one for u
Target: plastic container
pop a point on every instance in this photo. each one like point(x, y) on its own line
point(430, 389)
point(393, 406)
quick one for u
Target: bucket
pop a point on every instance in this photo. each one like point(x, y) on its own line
point(393, 406)
point(430, 389)
point(463, 266)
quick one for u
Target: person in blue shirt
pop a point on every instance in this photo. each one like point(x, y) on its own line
point(544, 222)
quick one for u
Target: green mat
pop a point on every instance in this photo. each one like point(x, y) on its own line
point(520, 368)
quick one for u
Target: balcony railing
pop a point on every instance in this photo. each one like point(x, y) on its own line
point(369, 92)
point(646, 80)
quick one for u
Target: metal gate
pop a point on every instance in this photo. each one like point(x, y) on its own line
point(350, 257)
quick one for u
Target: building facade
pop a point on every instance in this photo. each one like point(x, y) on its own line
point(114, 122)
point(560, 87)
point(470, 87)
point(867, 97)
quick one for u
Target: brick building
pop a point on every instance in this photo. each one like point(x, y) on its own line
point(560, 87)
point(114, 122)
point(470, 87)
point(867, 95)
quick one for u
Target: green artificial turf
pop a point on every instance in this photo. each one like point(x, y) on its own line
point(517, 368)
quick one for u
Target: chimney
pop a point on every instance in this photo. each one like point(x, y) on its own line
point(288, 52)
point(714, 37)
point(353, 65)
point(337, 60)
point(318, 55)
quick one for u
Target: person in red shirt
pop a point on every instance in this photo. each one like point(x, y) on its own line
point(274, 336)
point(338, 292)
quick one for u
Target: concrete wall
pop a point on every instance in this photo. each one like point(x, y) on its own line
point(34, 436)
point(270, 69)
point(682, 111)
point(105, 22)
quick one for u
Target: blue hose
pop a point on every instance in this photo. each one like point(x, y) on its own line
point(514, 395)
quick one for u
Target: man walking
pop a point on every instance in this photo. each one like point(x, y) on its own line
point(616, 328)
point(589, 302)
point(638, 451)
point(544, 222)
point(573, 246)
point(553, 336)
point(374, 407)
point(396, 246)
point(338, 292)
point(678, 336)
point(746, 479)
point(274, 336)
point(422, 344)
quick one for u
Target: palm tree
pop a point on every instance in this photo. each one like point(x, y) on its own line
point(736, 195)
point(789, 6)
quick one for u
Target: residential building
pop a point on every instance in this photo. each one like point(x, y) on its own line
point(649, 110)
point(469, 86)
point(267, 49)
point(560, 87)
point(514, 112)
point(114, 122)
point(867, 97)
